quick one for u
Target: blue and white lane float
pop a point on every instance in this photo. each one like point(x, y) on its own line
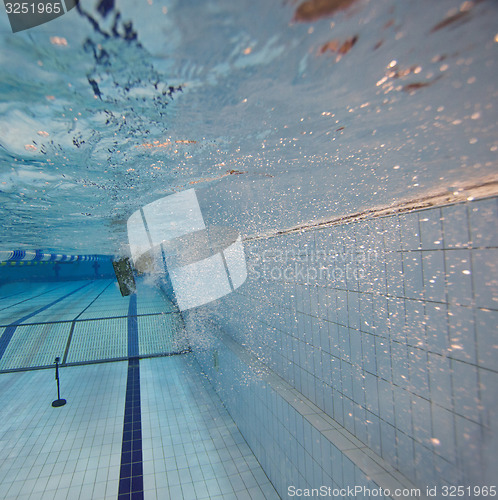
point(13, 257)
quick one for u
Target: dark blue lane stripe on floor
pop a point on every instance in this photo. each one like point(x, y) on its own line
point(73, 323)
point(9, 295)
point(30, 298)
point(132, 327)
point(10, 330)
point(131, 481)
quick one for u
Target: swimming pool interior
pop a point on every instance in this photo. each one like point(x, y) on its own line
point(303, 201)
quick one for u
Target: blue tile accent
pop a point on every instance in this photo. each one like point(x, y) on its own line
point(131, 473)
point(9, 331)
point(132, 327)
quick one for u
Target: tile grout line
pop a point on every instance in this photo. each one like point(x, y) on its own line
point(73, 323)
point(93, 319)
point(70, 336)
point(94, 361)
point(374, 466)
point(29, 298)
point(93, 301)
point(10, 330)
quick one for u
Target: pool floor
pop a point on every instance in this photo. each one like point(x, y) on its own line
point(84, 322)
point(191, 447)
point(134, 427)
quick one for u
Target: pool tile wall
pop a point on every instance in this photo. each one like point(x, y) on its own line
point(387, 325)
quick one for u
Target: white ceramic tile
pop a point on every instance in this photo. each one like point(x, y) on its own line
point(413, 275)
point(373, 433)
point(383, 358)
point(397, 316)
point(484, 223)
point(197, 424)
point(458, 267)
point(394, 274)
point(465, 389)
point(369, 354)
point(392, 233)
point(415, 323)
point(81, 386)
point(440, 380)
point(342, 307)
point(469, 439)
point(355, 347)
point(353, 308)
point(400, 364)
point(487, 338)
point(462, 334)
point(431, 233)
point(443, 434)
point(371, 393)
point(403, 410)
point(410, 232)
point(424, 465)
point(485, 277)
point(406, 455)
point(434, 276)
point(421, 416)
point(456, 226)
point(386, 401)
point(419, 372)
point(366, 313)
point(437, 328)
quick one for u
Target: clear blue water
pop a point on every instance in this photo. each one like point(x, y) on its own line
point(94, 125)
point(280, 120)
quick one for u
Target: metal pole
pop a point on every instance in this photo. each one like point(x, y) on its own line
point(57, 378)
point(58, 402)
